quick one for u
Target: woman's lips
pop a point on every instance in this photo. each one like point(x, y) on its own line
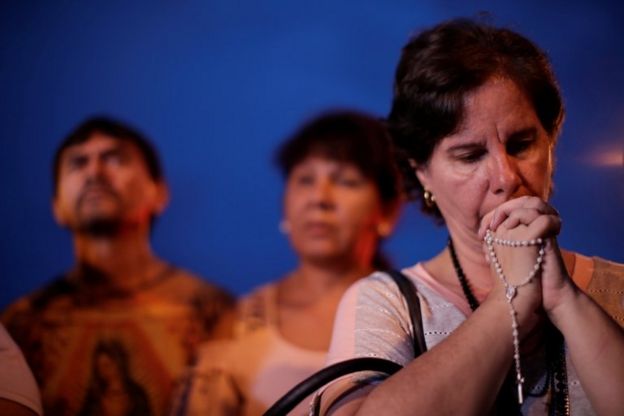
point(318, 228)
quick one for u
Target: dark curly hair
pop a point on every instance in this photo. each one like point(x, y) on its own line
point(440, 66)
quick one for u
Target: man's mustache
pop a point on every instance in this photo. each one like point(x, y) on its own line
point(99, 184)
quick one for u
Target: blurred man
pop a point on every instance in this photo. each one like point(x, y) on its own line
point(112, 336)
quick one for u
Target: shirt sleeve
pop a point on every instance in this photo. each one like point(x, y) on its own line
point(16, 380)
point(373, 321)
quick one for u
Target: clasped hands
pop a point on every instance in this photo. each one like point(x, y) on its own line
point(523, 219)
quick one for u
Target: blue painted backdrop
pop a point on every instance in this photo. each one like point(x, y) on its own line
point(218, 84)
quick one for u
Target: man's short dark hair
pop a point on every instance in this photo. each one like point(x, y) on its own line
point(115, 129)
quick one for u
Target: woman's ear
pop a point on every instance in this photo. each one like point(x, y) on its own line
point(422, 173)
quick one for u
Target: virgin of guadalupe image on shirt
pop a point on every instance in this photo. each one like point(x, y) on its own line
point(112, 390)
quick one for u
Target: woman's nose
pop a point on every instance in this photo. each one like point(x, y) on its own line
point(504, 177)
point(323, 194)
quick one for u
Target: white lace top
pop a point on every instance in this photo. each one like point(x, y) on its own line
point(373, 321)
point(246, 375)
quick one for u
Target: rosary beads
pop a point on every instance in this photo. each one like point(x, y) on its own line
point(511, 290)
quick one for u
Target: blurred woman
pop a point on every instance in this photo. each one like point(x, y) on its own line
point(341, 199)
point(508, 325)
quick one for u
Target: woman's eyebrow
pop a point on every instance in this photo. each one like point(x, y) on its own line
point(464, 147)
point(523, 133)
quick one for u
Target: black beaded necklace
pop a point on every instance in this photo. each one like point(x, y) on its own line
point(463, 281)
point(556, 376)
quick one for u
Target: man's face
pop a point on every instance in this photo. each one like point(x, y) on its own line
point(104, 183)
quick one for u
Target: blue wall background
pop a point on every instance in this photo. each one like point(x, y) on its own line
point(218, 84)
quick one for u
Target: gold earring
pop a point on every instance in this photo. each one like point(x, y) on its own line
point(430, 200)
point(383, 229)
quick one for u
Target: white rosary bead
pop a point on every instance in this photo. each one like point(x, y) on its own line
point(510, 291)
point(513, 243)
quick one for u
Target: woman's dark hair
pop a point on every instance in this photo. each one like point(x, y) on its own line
point(351, 137)
point(440, 66)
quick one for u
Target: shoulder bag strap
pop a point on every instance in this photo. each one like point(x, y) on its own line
point(317, 380)
point(409, 292)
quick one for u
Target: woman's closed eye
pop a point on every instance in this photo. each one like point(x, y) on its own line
point(470, 156)
point(518, 146)
point(521, 141)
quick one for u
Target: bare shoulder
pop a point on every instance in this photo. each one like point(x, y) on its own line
point(259, 294)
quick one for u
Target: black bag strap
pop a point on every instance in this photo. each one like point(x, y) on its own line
point(408, 290)
point(328, 374)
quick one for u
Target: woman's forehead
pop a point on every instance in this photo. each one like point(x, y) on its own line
point(319, 159)
point(498, 106)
